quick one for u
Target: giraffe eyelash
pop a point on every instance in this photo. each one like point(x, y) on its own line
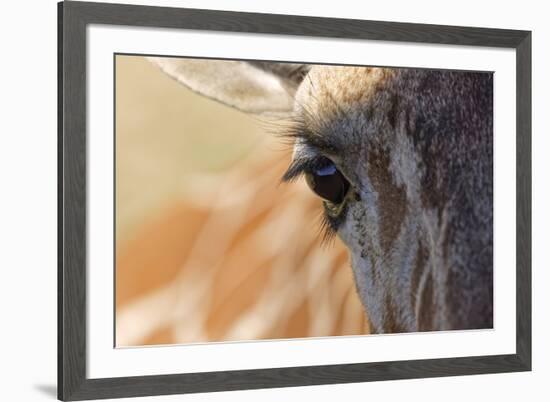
point(299, 166)
point(328, 227)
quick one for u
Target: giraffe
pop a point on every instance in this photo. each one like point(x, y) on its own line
point(401, 159)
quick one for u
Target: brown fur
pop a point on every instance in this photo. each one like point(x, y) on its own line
point(418, 145)
point(391, 196)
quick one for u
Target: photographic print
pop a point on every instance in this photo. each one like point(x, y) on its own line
point(252, 201)
point(262, 200)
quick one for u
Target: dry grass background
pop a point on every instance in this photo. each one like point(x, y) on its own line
point(209, 246)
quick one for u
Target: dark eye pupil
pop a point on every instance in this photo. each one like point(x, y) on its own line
point(327, 182)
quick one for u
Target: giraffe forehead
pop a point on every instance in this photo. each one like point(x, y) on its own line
point(328, 89)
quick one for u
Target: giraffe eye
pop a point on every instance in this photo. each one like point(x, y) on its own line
point(327, 182)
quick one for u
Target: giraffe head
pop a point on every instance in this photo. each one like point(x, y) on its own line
point(402, 161)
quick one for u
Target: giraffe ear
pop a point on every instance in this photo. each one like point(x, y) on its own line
point(254, 87)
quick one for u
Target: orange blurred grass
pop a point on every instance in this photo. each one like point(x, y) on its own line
point(244, 269)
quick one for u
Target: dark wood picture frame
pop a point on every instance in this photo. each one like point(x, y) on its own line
point(73, 18)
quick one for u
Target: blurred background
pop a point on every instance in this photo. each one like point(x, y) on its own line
point(209, 245)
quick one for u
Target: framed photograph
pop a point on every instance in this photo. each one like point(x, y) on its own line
point(256, 201)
